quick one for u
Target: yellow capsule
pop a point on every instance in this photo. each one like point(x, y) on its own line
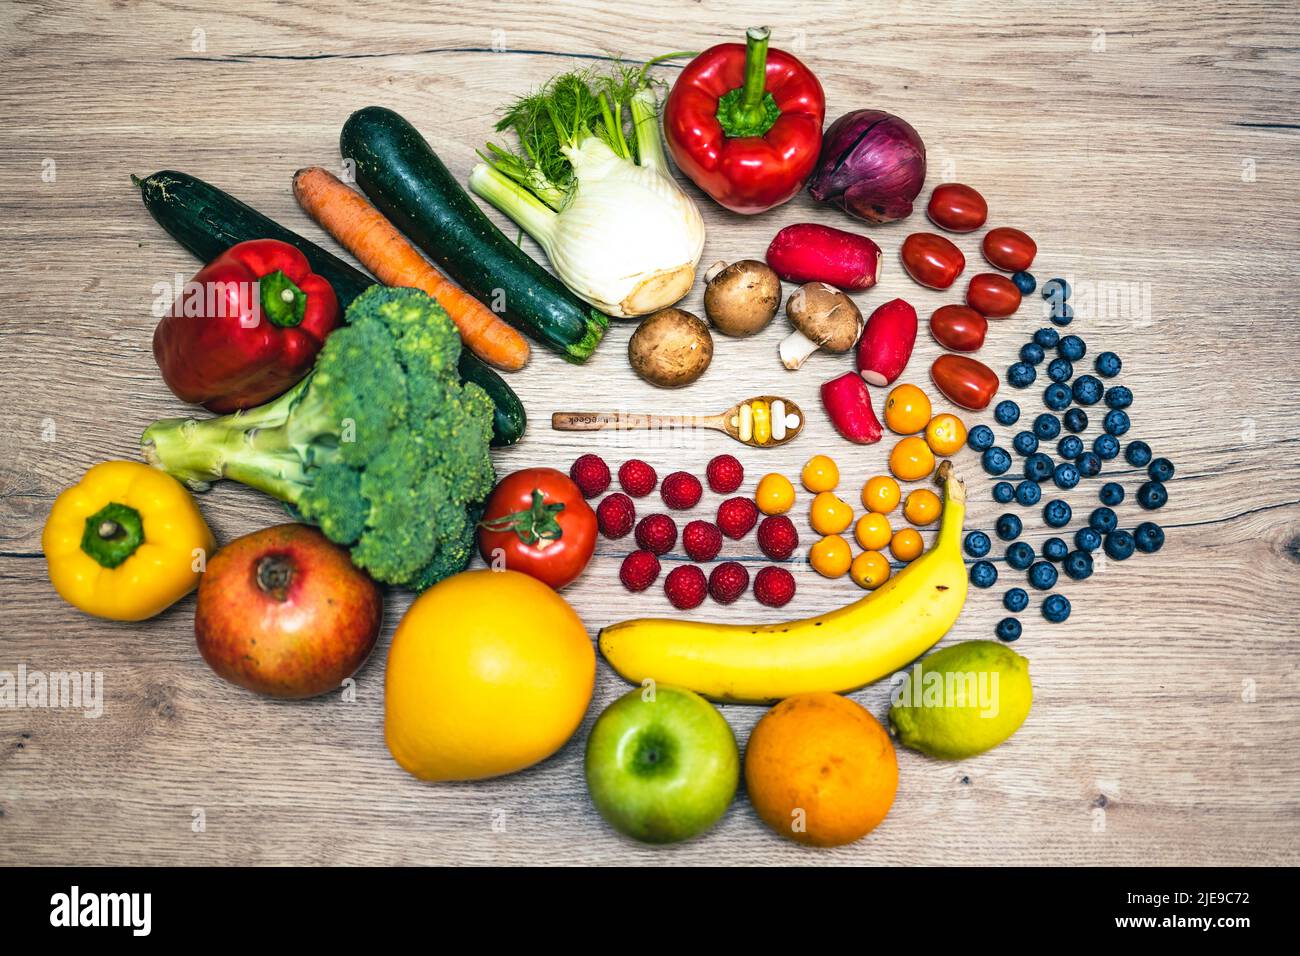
point(762, 422)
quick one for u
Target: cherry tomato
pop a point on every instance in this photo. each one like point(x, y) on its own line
point(992, 296)
point(537, 522)
point(958, 328)
point(1009, 249)
point(964, 381)
point(957, 208)
point(932, 260)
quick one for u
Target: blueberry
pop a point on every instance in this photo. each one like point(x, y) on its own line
point(1056, 396)
point(1119, 545)
point(1152, 495)
point(1057, 513)
point(1137, 454)
point(1105, 447)
point(1149, 537)
point(1008, 630)
point(1020, 556)
point(1078, 565)
point(983, 574)
point(1108, 365)
point(1103, 520)
point(1004, 493)
point(1038, 467)
point(1066, 476)
point(1059, 370)
point(1071, 347)
point(995, 461)
point(1047, 426)
point(1062, 313)
point(1070, 447)
point(1009, 527)
point(1043, 576)
point(1007, 413)
point(980, 438)
point(1024, 282)
point(1089, 464)
point(1025, 443)
point(1028, 492)
point(1076, 420)
point(1117, 396)
point(1056, 289)
point(1087, 390)
point(1047, 338)
point(1021, 375)
point(1112, 493)
point(1162, 469)
point(1055, 549)
point(1015, 600)
point(1056, 608)
point(1032, 353)
point(1087, 539)
point(1116, 421)
point(978, 544)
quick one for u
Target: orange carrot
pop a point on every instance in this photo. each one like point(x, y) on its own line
point(364, 231)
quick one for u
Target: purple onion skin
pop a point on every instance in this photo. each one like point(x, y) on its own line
point(872, 166)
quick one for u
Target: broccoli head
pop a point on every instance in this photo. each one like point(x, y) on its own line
point(381, 445)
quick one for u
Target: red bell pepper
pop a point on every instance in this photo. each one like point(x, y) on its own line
point(246, 328)
point(745, 123)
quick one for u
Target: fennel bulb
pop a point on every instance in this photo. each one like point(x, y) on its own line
point(617, 228)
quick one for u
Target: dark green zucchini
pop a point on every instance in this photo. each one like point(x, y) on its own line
point(207, 222)
point(407, 181)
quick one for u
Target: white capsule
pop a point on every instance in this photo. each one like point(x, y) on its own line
point(778, 420)
point(746, 428)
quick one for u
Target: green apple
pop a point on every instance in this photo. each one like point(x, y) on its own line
point(662, 764)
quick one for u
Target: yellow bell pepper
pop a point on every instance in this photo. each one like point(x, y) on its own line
point(126, 542)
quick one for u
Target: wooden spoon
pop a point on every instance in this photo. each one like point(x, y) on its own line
point(732, 421)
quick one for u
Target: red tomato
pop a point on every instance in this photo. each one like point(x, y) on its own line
point(957, 208)
point(537, 522)
point(992, 296)
point(964, 381)
point(1009, 249)
point(932, 260)
point(958, 327)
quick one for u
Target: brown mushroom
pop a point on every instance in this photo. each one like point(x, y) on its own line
point(670, 348)
point(742, 298)
point(823, 318)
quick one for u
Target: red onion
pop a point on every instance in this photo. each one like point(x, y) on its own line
point(872, 166)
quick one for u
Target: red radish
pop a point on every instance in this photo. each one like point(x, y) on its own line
point(886, 342)
point(848, 403)
point(807, 252)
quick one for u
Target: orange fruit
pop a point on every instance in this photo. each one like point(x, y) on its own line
point(880, 494)
point(907, 410)
point(829, 515)
point(873, 532)
point(869, 570)
point(820, 770)
point(820, 474)
point(911, 459)
point(831, 556)
point(922, 507)
point(945, 434)
point(774, 495)
point(907, 544)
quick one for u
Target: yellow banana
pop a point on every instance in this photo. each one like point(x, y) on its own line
point(839, 651)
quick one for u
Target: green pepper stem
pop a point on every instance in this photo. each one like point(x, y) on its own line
point(750, 107)
point(283, 303)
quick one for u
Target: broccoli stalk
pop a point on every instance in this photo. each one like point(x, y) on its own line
point(380, 445)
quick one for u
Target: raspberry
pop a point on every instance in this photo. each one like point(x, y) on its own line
point(736, 516)
point(591, 475)
point(728, 581)
point(702, 540)
point(681, 491)
point(774, 586)
point(637, 478)
point(656, 533)
point(639, 570)
point(725, 474)
point(777, 537)
point(686, 587)
point(616, 515)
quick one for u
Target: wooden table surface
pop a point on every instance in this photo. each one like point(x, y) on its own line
point(1150, 149)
